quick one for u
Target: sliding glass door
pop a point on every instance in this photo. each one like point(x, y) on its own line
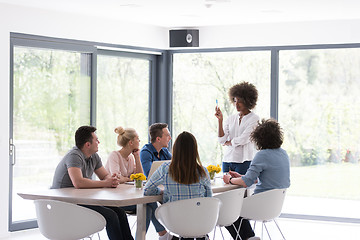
point(50, 98)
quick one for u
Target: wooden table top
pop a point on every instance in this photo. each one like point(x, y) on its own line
point(123, 195)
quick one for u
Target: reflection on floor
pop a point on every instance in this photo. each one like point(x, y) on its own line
point(292, 229)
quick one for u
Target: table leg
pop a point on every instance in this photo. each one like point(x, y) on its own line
point(141, 221)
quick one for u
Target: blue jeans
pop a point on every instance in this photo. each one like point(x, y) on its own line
point(237, 167)
point(150, 215)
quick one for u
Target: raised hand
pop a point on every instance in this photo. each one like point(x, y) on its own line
point(218, 114)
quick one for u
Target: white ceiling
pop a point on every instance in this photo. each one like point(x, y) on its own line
point(197, 13)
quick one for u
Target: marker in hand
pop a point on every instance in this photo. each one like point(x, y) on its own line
point(217, 104)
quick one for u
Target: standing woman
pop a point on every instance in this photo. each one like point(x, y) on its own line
point(125, 162)
point(235, 132)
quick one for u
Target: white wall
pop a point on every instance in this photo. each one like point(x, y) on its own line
point(55, 24)
point(280, 34)
point(4, 126)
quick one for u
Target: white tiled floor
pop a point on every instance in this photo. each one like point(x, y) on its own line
point(292, 229)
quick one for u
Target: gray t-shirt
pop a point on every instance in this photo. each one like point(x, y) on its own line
point(75, 158)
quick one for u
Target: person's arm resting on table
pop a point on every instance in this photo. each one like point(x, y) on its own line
point(249, 178)
point(106, 180)
point(234, 178)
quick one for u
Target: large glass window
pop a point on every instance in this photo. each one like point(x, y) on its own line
point(318, 109)
point(122, 99)
point(51, 98)
point(199, 79)
point(317, 106)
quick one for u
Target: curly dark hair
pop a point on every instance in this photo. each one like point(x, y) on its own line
point(267, 135)
point(245, 91)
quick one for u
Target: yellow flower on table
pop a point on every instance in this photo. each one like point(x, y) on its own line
point(138, 176)
point(212, 169)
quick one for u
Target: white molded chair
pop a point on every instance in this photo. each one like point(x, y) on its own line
point(66, 221)
point(264, 207)
point(190, 218)
point(231, 204)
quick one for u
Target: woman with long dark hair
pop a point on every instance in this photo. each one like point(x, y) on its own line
point(184, 177)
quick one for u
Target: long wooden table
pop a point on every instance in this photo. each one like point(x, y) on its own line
point(123, 195)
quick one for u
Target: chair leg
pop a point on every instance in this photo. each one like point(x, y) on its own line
point(279, 229)
point(90, 237)
point(221, 234)
point(214, 232)
point(133, 225)
point(134, 221)
point(267, 230)
point(254, 226)
point(238, 230)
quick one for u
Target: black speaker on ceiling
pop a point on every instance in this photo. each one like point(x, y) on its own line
point(184, 38)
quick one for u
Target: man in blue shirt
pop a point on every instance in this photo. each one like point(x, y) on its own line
point(157, 148)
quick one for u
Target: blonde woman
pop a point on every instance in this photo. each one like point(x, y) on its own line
point(125, 162)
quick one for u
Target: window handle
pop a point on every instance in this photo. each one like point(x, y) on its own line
point(12, 151)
